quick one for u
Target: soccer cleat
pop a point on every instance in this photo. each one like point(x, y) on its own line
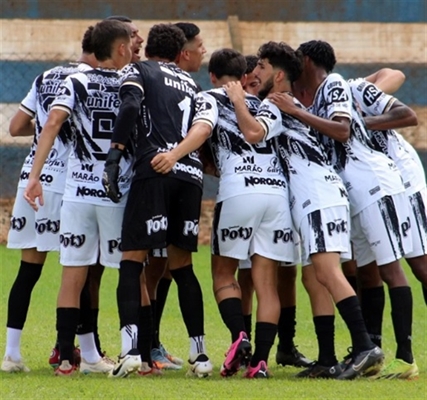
point(126, 365)
point(100, 367)
point(162, 362)
point(238, 351)
point(317, 371)
point(200, 367)
point(8, 365)
point(65, 369)
point(363, 363)
point(54, 357)
point(398, 369)
point(170, 357)
point(146, 370)
point(293, 358)
point(260, 371)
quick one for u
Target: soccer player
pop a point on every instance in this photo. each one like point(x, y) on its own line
point(264, 231)
point(162, 211)
point(383, 112)
point(90, 222)
point(287, 353)
point(37, 233)
point(378, 203)
point(158, 277)
point(322, 220)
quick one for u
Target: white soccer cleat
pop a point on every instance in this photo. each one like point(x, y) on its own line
point(200, 367)
point(100, 367)
point(126, 365)
point(8, 365)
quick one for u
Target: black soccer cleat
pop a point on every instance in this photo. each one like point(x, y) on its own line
point(293, 358)
point(317, 371)
point(363, 363)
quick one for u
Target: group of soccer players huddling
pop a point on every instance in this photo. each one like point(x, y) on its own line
point(311, 172)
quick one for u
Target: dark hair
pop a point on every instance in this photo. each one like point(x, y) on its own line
point(104, 34)
point(190, 30)
point(121, 18)
point(281, 55)
point(321, 53)
point(87, 41)
point(165, 41)
point(251, 62)
point(227, 62)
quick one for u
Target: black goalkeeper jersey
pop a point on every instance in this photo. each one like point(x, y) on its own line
point(166, 95)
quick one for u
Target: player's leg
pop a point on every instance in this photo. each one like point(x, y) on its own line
point(183, 228)
point(287, 353)
point(381, 225)
point(244, 278)
point(35, 233)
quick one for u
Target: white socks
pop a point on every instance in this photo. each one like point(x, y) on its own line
point(88, 348)
point(197, 346)
point(13, 344)
point(129, 338)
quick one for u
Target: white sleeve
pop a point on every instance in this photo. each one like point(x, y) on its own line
point(206, 109)
point(65, 98)
point(29, 104)
point(337, 95)
point(270, 117)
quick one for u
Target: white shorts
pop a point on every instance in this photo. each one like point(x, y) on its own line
point(89, 231)
point(253, 224)
point(417, 224)
point(35, 229)
point(325, 231)
point(377, 231)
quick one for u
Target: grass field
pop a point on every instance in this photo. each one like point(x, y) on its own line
point(39, 336)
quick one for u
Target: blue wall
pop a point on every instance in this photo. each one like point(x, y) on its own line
point(247, 10)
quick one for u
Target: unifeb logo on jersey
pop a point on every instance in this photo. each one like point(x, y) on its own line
point(236, 232)
point(114, 244)
point(285, 235)
point(336, 226)
point(156, 224)
point(370, 95)
point(191, 228)
point(47, 225)
point(254, 181)
point(18, 223)
point(70, 239)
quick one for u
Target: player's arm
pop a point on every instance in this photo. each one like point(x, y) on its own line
point(337, 128)
point(398, 116)
point(131, 95)
point(252, 130)
point(387, 79)
point(197, 135)
point(22, 124)
point(57, 116)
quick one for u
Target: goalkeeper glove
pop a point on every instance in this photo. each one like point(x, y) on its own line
point(110, 175)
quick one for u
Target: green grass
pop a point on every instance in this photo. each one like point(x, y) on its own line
point(39, 336)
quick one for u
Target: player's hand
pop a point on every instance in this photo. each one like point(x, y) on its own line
point(284, 102)
point(163, 162)
point(110, 175)
point(235, 91)
point(32, 192)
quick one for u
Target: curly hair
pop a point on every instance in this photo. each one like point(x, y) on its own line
point(320, 52)
point(87, 41)
point(165, 41)
point(251, 63)
point(281, 55)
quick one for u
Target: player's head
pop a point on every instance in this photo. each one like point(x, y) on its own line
point(191, 56)
point(252, 82)
point(137, 40)
point(87, 47)
point(111, 41)
point(226, 63)
point(278, 63)
point(165, 42)
point(320, 53)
